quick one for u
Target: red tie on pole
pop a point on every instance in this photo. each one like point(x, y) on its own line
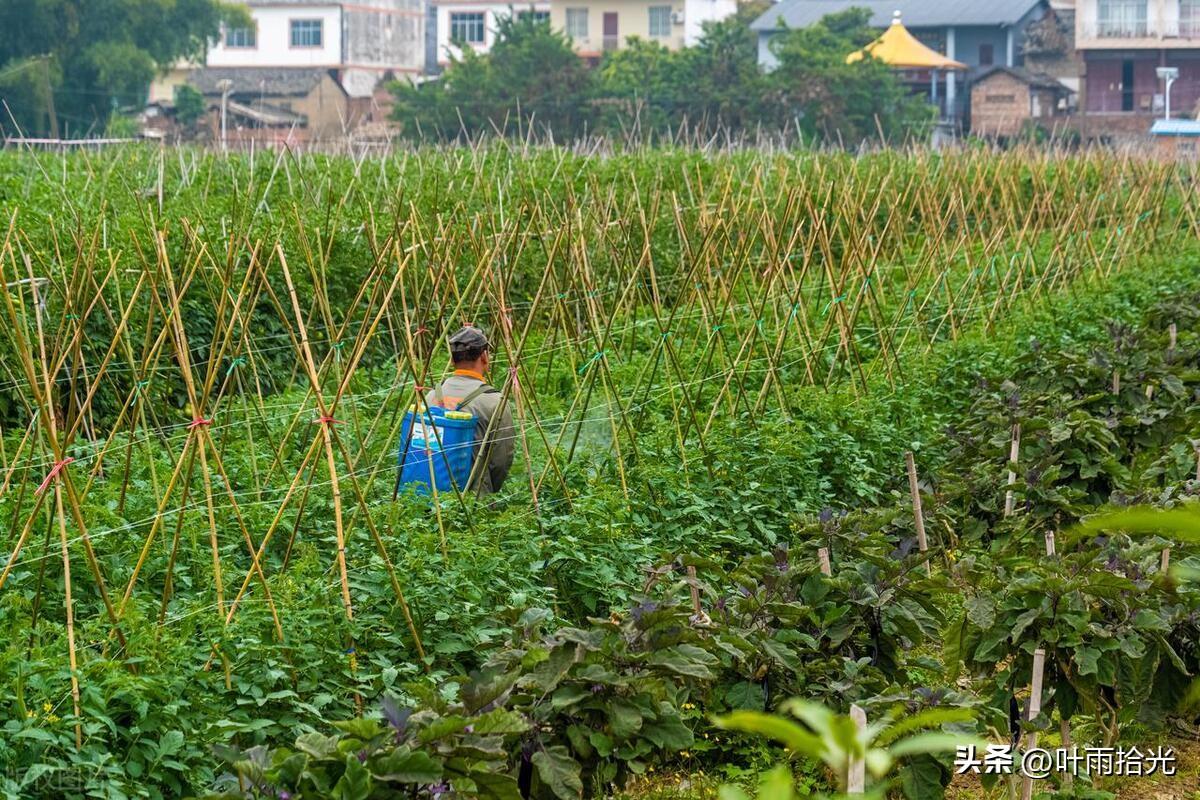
point(197, 422)
point(58, 468)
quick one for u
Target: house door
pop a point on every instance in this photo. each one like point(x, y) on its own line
point(610, 30)
point(1127, 85)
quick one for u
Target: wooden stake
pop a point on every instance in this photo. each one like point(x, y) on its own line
point(823, 557)
point(856, 770)
point(1035, 708)
point(1172, 334)
point(1013, 454)
point(918, 515)
point(1050, 543)
point(1164, 563)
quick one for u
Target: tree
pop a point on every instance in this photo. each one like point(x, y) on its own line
point(101, 54)
point(532, 76)
point(839, 102)
point(189, 105)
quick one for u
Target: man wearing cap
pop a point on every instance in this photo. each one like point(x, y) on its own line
point(468, 390)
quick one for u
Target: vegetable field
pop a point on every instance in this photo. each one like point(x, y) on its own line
point(790, 427)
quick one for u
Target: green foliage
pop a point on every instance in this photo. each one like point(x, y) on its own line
point(838, 101)
point(104, 55)
point(189, 104)
point(839, 742)
point(532, 78)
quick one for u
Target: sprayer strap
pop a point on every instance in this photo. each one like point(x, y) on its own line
point(481, 389)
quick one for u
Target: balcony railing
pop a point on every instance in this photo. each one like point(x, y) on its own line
point(611, 43)
point(1131, 29)
point(1183, 29)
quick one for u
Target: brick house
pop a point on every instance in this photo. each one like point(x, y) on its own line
point(1122, 43)
point(1006, 100)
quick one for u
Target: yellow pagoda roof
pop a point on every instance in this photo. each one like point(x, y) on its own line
point(899, 48)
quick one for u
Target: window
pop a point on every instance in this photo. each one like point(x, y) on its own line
point(1189, 18)
point(307, 32)
point(987, 55)
point(577, 23)
point(466, 27)
point(1000, 99)
point(539, 17)
point(1122, 17)
point(660, 20)
point(241, 37)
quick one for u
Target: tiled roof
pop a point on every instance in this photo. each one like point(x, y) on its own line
point(914, 13)
point(248, 81)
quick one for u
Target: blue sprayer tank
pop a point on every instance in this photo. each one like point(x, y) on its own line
point(437, 438)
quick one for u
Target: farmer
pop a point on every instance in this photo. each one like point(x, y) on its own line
point(468, 390)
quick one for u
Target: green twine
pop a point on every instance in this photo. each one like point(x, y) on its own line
point(717, 328)
point(140, 385)
point(830, 304)
point(239, 361)
point(599, 355)
point(71, 316)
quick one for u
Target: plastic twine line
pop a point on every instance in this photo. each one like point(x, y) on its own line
point(239, 361)
point(54, 472)
point(199, 422)
point(831, 303)
point(598, 355)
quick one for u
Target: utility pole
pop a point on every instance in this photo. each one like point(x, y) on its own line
point(224, 85)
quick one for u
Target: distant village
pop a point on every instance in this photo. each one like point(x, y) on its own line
point(1100, 70)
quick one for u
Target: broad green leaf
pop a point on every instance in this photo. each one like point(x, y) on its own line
point(745, 694)
point(1180, 524)
point(558, 771)
point(625, 718)
point(355, 783)
point(787, 733)
point(929, 718)
point(500, 721)
point(317, 746)
point(403, 765)
point(928, 743)
point(668, 734)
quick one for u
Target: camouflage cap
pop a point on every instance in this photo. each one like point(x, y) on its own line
point(468, 338)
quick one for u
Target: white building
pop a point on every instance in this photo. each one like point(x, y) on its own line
point(473, 23)
point(363, 40)
point(597, 26)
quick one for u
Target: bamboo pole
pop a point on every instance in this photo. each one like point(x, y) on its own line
point(856, 771)
point(914, 491)
point(1034, 709)
point(1013, 454)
